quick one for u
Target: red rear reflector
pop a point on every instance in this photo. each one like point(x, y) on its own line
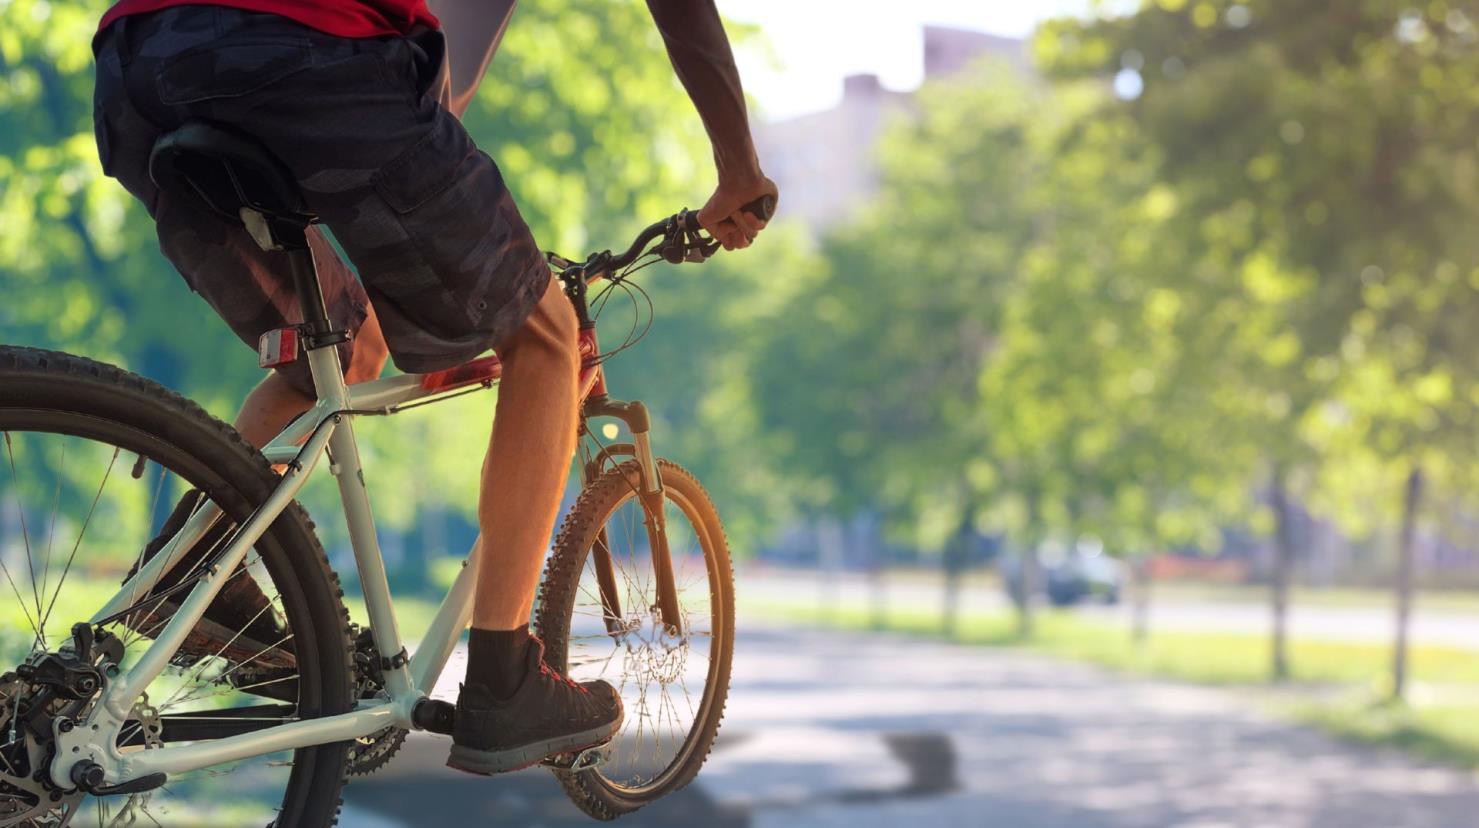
point(277, 348)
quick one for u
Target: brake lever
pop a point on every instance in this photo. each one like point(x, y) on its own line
point(683, 245)
point(700, 248)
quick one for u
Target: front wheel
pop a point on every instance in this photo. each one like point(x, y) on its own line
point(605, 623)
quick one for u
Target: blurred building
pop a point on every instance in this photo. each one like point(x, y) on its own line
point(824, 162)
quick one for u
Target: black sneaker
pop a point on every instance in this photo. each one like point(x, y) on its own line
point(548, 715)
point(239, 625)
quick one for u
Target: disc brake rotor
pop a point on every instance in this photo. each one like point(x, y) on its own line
point(25, 797)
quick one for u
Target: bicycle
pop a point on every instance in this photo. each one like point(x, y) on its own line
point(100, 710)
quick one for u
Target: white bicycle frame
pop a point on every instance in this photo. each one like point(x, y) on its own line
point(325, 428)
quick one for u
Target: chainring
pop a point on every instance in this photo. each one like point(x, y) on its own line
point(368, 754)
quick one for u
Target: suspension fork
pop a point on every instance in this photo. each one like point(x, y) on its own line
point(650, 491)
point(601, 558)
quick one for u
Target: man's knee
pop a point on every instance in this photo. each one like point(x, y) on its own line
point(551, 331)
point(370, 352)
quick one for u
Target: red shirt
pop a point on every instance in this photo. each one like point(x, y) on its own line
point(342, 18)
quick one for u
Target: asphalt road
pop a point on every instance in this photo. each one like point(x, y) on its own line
point(833, 729)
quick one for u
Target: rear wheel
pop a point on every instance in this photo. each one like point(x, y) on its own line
point(92, 460)
point(673, 684)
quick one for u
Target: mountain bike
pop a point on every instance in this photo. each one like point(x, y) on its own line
point(103, 717)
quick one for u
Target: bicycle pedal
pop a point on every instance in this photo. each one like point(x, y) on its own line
point(588, 759)
point(434, 716)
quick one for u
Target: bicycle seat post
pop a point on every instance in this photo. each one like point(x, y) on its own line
point(318, 330)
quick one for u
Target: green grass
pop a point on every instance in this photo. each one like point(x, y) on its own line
point(1447, 733)
point(1465, 600)
point(1359, 597)
point(1333, 684)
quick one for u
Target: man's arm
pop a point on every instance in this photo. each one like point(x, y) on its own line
point(699, 49)
point(473, 29)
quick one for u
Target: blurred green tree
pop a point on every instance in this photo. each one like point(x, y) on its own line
point(870, 370)
point(1325, 154)
point(1103, 398)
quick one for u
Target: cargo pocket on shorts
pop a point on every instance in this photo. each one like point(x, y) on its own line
point(446, 194)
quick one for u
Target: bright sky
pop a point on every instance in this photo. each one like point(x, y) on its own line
point(818, 42)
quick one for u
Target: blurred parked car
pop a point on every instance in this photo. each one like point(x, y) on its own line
point(1084, 577)
point(1068, 576)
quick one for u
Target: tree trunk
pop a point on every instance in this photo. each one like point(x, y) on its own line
point(954, 560)
point(1142, 577)
point(1411, 502)
point(1283, 572)
point(829, 565)
point(1029, 581)
point(1028, 576)
point(950, 607)
point(878, 582)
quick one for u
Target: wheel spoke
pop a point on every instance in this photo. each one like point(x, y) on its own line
point(237, 666)
point(20, 508)
point(56, 508)
point(87, 520)
point(206, 662)
point(139, 558)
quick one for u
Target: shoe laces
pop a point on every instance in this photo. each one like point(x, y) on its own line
point(554, 674)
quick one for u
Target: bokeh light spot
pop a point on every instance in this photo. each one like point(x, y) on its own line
point(1128, 84)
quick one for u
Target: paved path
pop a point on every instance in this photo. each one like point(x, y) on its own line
point(855, 731)
point(1373, 624)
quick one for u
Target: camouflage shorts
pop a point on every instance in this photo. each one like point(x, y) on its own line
point(442, 253)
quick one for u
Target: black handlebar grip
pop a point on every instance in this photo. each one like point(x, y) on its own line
point(761, 208)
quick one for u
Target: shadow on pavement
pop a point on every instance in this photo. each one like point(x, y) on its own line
point(417, 789)
point(931, 760)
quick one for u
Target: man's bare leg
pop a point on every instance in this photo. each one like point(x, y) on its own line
point(528, 460)
point(274, 402)
point(513, 710)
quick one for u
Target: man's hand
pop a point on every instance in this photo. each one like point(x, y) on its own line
point(722, 216)
point(694, 36)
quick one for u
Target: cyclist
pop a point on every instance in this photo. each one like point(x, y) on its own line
point(359, 99)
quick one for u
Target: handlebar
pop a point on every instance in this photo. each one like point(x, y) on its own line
point(682, 241)
point(671, 228)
